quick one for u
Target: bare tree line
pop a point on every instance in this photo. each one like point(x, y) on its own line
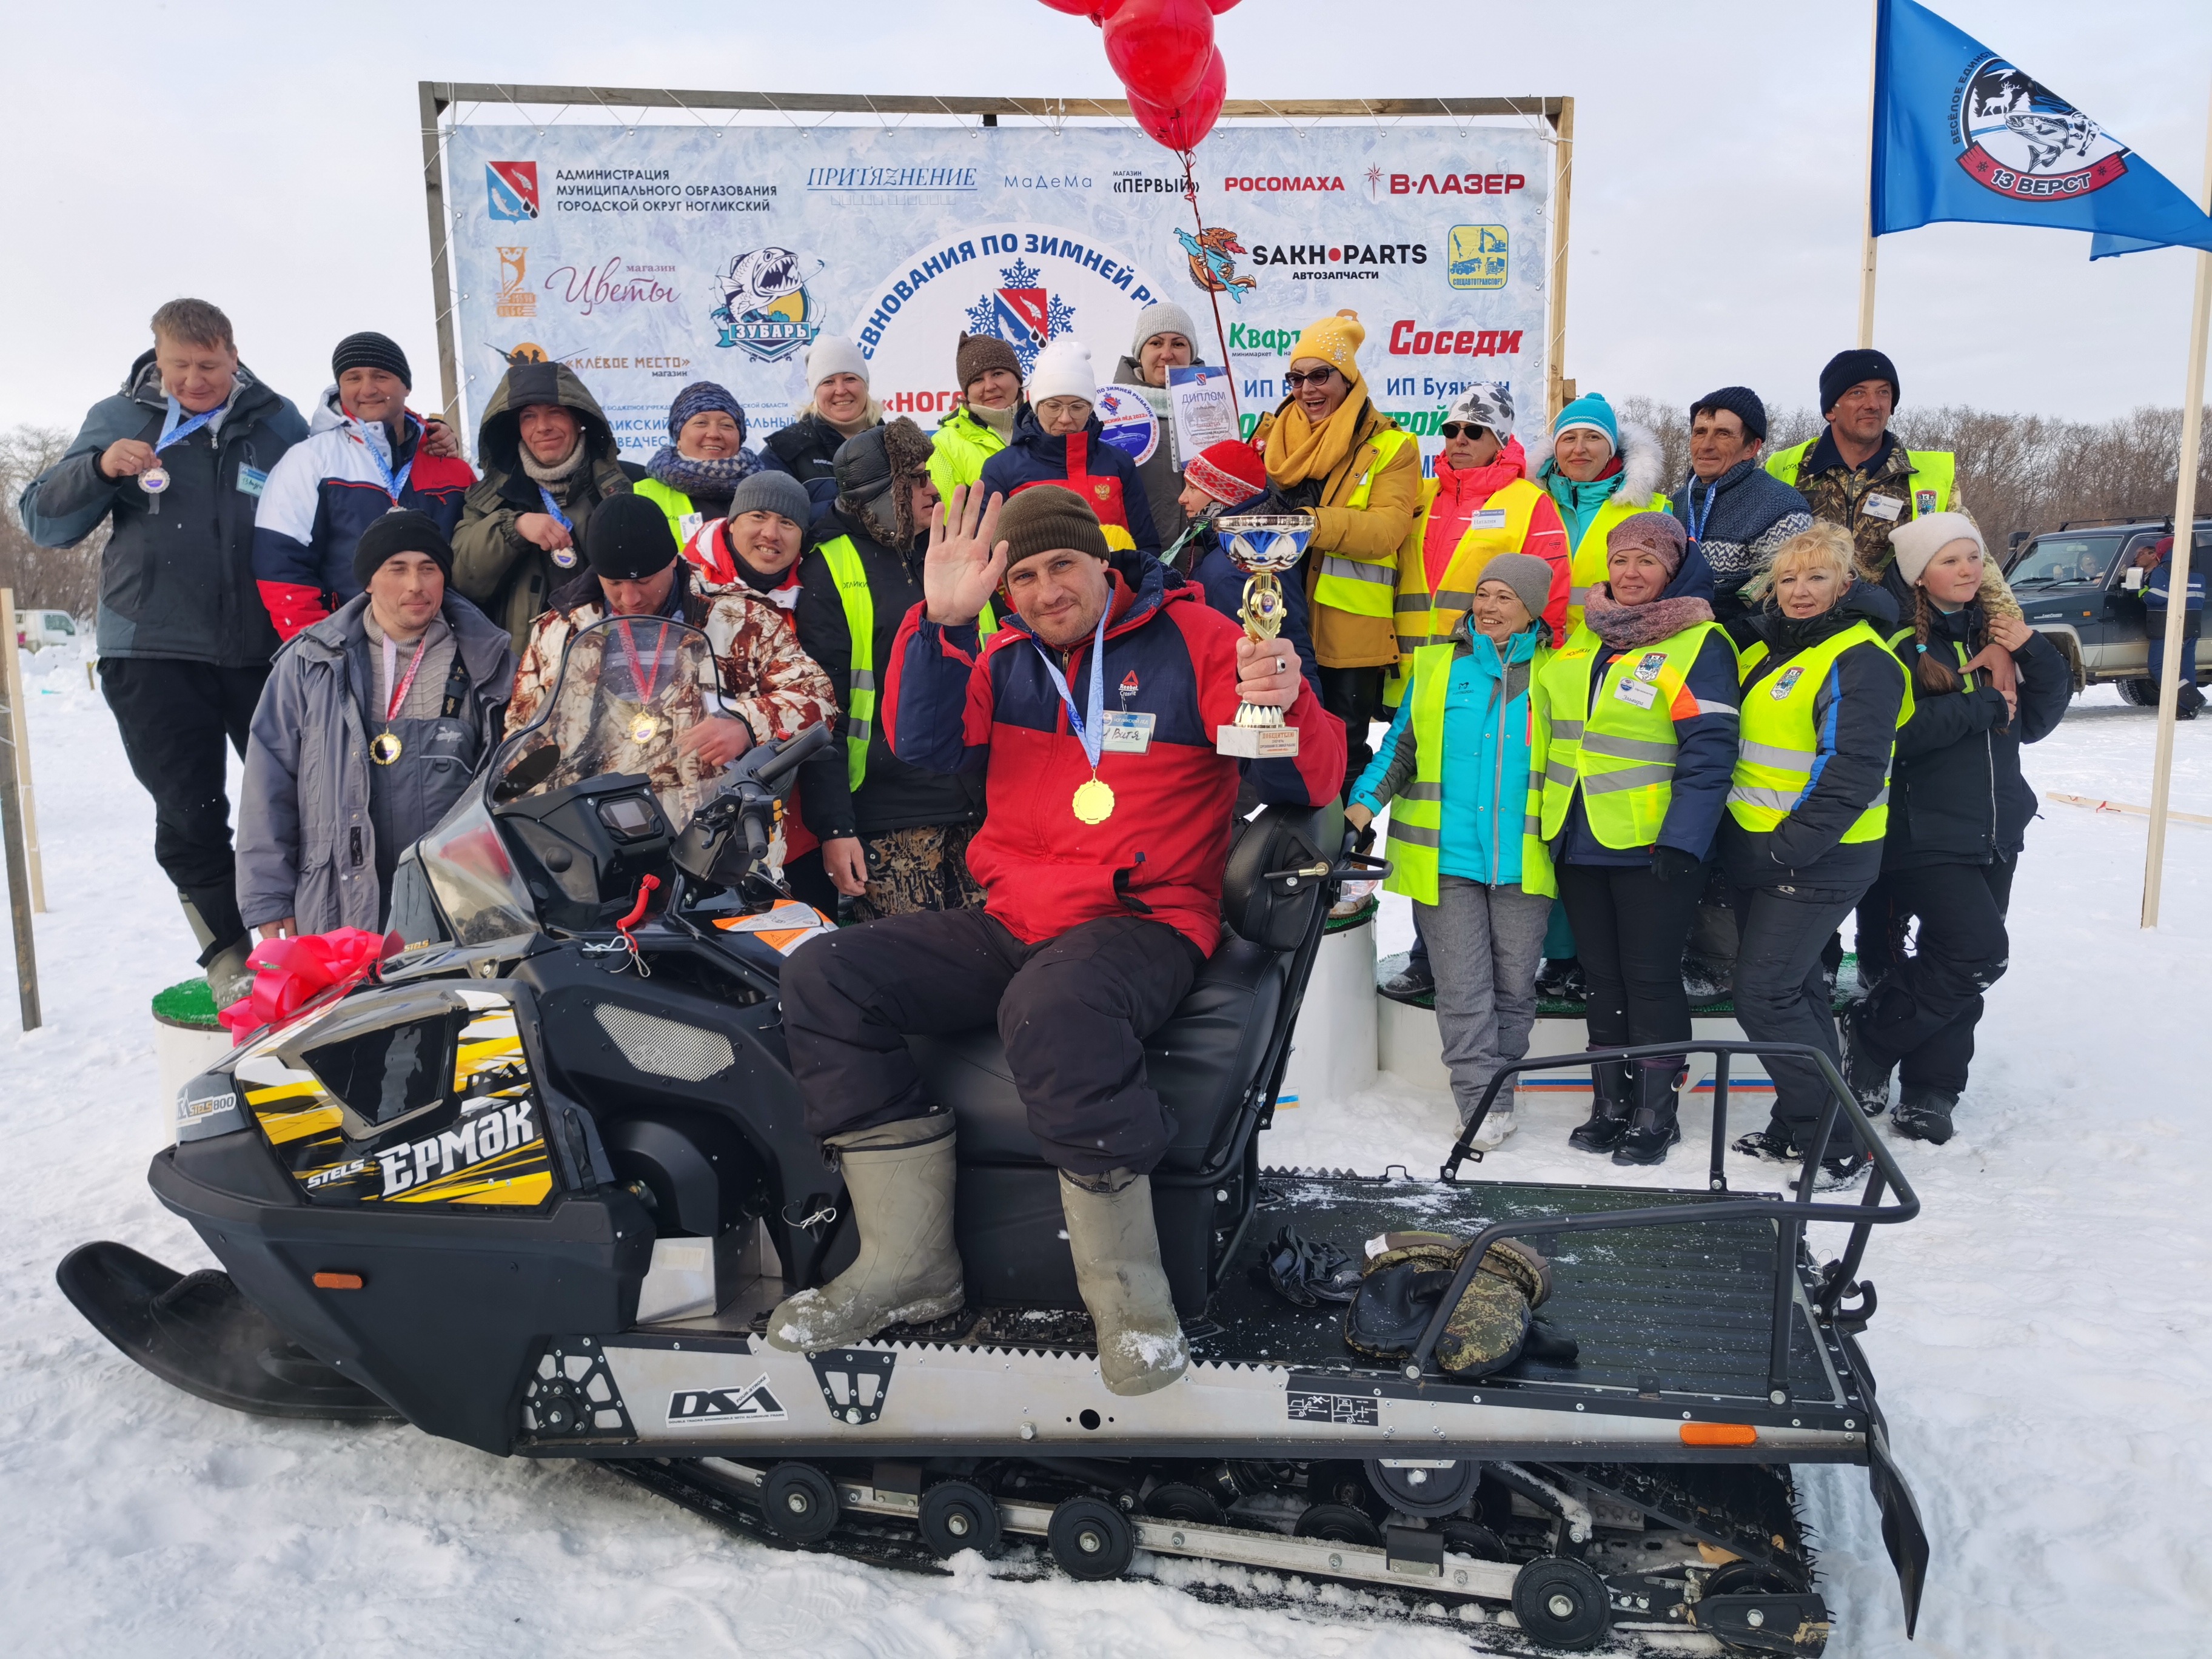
point(2016, 472)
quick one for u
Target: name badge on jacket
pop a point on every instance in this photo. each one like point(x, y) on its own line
point(1128, 733)
point(1642, 693)
point(1487, 517)
point(1884, 507)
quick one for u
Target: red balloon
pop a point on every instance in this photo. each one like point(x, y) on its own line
point(1075, 7)
point(1159, 47)
point(1220, 6)
point(1180, 126)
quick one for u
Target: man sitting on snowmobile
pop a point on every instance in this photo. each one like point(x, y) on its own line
point(1106, 829)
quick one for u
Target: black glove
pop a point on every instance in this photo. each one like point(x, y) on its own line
point(1673, 864)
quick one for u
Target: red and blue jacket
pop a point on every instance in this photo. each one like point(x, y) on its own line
point(1083, 462)
point(320, 497)
point(952, 705)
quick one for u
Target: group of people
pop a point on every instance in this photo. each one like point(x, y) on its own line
point(1615, 717)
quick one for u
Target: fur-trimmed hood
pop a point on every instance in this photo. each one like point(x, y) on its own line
point(1641, 465)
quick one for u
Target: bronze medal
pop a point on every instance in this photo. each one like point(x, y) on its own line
point(384, 749)
point(1094, 801)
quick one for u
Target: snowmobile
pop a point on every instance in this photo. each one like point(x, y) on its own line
point(535, 1182)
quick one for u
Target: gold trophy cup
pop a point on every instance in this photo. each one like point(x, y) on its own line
point(1261, 544)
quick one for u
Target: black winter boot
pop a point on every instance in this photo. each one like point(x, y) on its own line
point(1866, 1071)
point(1611, 1083)
point(1925, 1115)
point(1560, 978)
point(1652, 1129)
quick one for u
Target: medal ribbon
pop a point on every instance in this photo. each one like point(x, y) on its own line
point(647, 690)
point(395, 483)
point(172, 432)
point(1091, 728)
point(552, 507)
point(392, 667)
point(1694, 521)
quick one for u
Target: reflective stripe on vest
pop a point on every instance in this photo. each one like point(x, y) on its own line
point(1621, 755)
point(1356, 585)
point(851, 576)
point(1588, 567)
point(1935, 474)
point(1780, 746)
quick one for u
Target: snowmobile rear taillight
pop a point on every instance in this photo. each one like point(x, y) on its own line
point(1719, 1434)
point(338, 1281)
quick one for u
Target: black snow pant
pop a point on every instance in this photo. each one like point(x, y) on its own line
point(1354, 696)
point(1923, 1014)
point(1782, 995)
point(1073, 1012)
point(174, 716)
point(1630, 928)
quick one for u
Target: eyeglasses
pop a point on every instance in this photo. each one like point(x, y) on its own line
point(1462, 429)
point(1318, 378)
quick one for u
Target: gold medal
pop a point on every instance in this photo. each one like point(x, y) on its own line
point(644, 729)
point(384, 749)
point(1094, 802)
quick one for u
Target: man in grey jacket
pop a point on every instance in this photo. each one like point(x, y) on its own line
point(175, 463)
point(374, 722)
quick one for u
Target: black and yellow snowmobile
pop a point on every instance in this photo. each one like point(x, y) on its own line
point(535, 1185)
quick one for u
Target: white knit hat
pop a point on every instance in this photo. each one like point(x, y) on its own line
point(1163, 317)
point(1921, 540)
point(833, 354)
point(1062, 370)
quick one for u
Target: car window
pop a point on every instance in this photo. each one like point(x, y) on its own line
point(2065, 559)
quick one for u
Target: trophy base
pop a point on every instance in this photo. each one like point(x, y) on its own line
point(1257, 742)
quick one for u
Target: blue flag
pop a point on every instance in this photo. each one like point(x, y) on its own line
point(1958, 133)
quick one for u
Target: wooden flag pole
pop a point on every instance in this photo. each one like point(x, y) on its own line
point(2185, 535)
point(21, 735)
point(11, 832)
point(1866, 253)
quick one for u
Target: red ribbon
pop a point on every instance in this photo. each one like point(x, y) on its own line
point(290, 973)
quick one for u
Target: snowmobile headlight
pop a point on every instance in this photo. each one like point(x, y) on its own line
point(209, 1105)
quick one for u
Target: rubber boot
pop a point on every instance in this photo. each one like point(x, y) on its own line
point(1925, 1115)
point(228, 978)
point(1610, 1084)
point(899, 1181)
point(1652, 1128)
point(1117, 1268)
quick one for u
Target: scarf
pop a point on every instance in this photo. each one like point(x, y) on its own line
point(1626, 627)
point(713, 481)
point(1000, 421)
point(1578, 502)
point(1298, 450)
point(556, 479)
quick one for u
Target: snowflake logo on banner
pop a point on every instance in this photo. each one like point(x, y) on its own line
point(1021, 311)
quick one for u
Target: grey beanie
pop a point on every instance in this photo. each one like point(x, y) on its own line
point(770, 491)
point(1528, 576)
point(1164, 317)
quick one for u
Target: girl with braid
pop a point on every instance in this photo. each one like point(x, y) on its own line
point(1959, 811)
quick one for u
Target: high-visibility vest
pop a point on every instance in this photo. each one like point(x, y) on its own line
point(1500, 526)
point(1415, 839)
point(1587, 569)
point(851, 575)
point(1619, 751)
point(683, 521)
point(1354, 585)
point(1780, 744)
point(1934, 472)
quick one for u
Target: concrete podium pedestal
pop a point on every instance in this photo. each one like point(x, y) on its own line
point(1332, 1051)
point(187, 1040)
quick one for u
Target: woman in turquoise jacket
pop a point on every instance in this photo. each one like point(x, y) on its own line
point(1458, 771)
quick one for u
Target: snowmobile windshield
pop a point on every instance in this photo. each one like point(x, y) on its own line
point(628, 689)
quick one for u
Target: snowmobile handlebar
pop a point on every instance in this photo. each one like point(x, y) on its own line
point(784, 758)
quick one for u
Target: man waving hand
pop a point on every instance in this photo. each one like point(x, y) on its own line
point(1107, 823)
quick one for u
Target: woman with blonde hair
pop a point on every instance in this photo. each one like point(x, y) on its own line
point(1822, 700)
point(1958, 820)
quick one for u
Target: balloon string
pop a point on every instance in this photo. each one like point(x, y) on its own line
point(1212, 285)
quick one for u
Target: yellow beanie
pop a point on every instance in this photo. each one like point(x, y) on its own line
point(1335, 340)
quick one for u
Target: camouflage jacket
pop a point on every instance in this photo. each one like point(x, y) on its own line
point(1836, 494)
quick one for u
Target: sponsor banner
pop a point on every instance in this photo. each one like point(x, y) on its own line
point(649, 258)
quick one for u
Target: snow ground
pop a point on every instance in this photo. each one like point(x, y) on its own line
point(2044, 1343)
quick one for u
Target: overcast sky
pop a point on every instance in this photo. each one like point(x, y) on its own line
point(267, 157)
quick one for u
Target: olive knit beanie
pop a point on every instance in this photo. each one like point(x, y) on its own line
point(1045, 517)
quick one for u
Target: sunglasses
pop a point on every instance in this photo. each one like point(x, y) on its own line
point(1318, 377)
point(1462, 429)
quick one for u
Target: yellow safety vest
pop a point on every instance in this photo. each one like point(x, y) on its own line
point(851, 575)
point(1500, 525)
point(1354, 585)
point(1588, 567)
point(1780, 744)
point(1934, 473)
point(682, 521)
point(1621, 751)
point(1415, 839)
